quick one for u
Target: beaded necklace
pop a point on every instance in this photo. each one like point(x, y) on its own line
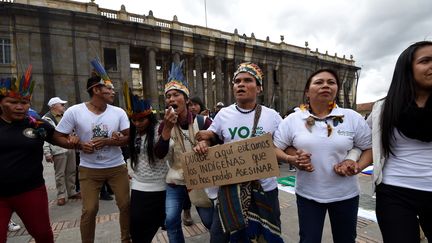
point(245, 112)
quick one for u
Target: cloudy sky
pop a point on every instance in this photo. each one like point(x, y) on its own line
point(375, 32)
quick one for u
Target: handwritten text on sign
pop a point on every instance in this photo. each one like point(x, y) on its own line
point(230, 163)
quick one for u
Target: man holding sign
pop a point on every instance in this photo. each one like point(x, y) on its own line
point(176, 136)
point(243, 120)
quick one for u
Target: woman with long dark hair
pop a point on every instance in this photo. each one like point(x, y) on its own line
point(148, 180)
point(402, 148)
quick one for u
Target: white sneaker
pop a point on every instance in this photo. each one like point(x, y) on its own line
point(12, 226)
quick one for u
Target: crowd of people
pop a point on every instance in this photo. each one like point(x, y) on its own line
point(327, 144)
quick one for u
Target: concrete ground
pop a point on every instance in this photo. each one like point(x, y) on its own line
point(65, 219)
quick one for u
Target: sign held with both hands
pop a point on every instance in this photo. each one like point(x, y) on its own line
point(245, 160)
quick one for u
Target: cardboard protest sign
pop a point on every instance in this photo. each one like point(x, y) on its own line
point(236, 162)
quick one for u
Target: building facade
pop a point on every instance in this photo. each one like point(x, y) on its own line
point(60, 37)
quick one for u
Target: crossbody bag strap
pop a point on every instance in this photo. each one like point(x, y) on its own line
point(256, 118)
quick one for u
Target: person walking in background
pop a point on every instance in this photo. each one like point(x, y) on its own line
point(148, 180)
point(106, 192)
point(177, 135)
point(254, 120)
point(402, 148)
point(63, 159)
point(21, 171)
point(196, 106)
point(102, 129)
point(323, 183)
point(217, 108)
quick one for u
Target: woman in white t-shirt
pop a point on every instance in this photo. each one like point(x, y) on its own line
point(324, 183)
point(402, 148)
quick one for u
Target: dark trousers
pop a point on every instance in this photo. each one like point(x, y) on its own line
point(187, 204)
point(77, 160)
point(342, 214)
point(147, 214)
point(399, 212)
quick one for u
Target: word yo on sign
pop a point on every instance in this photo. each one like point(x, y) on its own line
point(245, 160)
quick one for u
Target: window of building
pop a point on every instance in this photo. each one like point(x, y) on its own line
point(5, 51)
point(110, 58)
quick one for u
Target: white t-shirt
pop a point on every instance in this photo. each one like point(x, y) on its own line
point(88, 125)
point(323, 184)
point(410, 166)
point(231, 125)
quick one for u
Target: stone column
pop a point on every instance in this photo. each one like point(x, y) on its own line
point(144, 75)
point(228, 82)
point(176, 57)
point(218, 79)
point(199, 77)
point(209, 85)
point(125, 71)
point(284, 82)
point(190, 75)
point(268, 86)
point(152, 78)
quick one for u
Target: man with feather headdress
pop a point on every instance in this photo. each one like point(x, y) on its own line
point(102, 130)
point(177, 135)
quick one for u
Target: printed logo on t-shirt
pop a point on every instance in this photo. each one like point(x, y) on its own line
point(244, 132)
point(345, 133)
point(30, 133)
point(100, 130)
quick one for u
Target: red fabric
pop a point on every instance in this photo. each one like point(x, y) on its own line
point(32, 208)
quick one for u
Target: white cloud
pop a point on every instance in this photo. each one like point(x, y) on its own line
point(374, 32)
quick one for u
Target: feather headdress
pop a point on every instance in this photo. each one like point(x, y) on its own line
point(176, 79)
point(252, 69)
point(135, 107)
point(100, 71)
point(18, 88)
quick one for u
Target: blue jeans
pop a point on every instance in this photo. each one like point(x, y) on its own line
point(342, 214)
point(175, 197)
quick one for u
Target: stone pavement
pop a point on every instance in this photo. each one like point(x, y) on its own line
point(66, 219)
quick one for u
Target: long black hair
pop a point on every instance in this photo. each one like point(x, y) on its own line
point(149, 140)
point(401, 94)
point(309, 80)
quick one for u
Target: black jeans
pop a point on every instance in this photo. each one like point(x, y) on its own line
point(399, 212)
point(147, 214)
point(342, 214)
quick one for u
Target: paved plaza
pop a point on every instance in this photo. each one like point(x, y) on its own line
point(66, 219)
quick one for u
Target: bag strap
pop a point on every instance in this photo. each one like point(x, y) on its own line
point(200, 120)
point(257, 117)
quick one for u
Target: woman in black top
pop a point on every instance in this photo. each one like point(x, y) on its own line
point(22, 186)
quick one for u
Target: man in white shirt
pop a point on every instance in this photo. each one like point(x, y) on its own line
point(234, 123)
point(102, 129)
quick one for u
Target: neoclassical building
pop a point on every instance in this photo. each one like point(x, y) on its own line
point(60, 37)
